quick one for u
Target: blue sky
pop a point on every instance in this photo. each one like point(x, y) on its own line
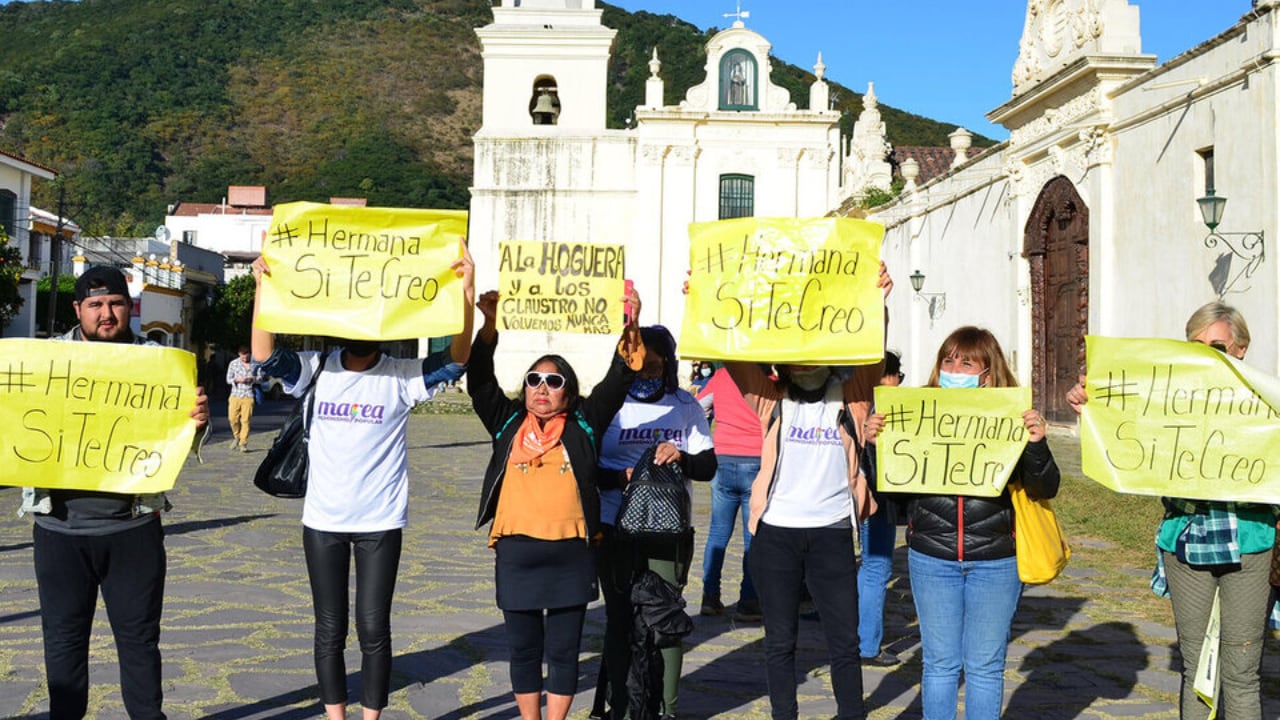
point(949, 60)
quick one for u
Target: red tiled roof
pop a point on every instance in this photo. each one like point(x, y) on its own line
point(933, 161)
point(184, 209)
point(19, 158)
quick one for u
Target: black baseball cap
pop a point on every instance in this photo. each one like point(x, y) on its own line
point(101, 280)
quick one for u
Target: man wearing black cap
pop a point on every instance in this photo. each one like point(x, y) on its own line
point(86, 541)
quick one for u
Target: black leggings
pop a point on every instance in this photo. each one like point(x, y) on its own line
point(558, 638)
point(329, 566)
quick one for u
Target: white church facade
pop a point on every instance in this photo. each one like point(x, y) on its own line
point(548, 169)
point(1087, 221)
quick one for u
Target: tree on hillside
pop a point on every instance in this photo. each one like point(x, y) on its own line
point(143, 103)
point(10, 276)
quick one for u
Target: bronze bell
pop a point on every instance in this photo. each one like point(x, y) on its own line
point(544, 110)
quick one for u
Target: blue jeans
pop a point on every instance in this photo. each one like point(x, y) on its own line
point(965, 610)
point(878, 536)
point(730, 495)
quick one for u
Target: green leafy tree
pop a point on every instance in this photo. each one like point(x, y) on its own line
point(65, 316)
point(227, 320)
point(10, 276)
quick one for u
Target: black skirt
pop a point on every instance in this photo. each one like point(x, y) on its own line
point(533, 574)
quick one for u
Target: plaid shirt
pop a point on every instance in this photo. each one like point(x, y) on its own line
point(238, 368)
point(1210, 537)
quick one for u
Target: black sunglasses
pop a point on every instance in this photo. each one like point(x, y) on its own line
point(555, 381)
point(1218, 346)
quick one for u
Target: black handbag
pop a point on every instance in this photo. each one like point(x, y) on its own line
point(655, 503)
point(283, 472)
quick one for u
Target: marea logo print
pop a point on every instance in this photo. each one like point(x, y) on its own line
point(365, 413)
point(650, 436)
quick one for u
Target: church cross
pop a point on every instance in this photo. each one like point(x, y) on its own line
point(739, 15)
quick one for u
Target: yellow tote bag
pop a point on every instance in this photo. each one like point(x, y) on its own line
point(1041, 545)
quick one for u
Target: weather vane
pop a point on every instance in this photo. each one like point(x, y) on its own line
point(739, 15)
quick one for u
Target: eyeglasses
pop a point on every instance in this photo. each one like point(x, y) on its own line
point(1218, 346)
point(554, 381)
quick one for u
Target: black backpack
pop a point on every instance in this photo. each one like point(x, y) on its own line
point(655, 502)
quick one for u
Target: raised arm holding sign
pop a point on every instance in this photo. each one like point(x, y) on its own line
point(561, 287)
point(1171, 418)
point(785, 290)
point(540, 495)
point(362, 273)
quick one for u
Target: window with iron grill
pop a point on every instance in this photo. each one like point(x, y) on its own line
point(737, 196)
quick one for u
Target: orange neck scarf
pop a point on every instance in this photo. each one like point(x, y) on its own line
point(535, 439)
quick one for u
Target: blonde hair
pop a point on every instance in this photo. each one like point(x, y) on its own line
point(975, 343)
point(1216, 311)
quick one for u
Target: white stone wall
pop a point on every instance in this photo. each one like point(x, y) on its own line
point(960, 232)
point(225, 232)
point(161, 310)
point(1159, 263)
point(1131, 149)
point(549, 184)
point(18, 181)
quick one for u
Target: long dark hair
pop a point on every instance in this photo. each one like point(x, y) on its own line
point(571, 391)
point(657, 339)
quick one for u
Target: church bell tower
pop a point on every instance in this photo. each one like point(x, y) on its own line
point(545, 63)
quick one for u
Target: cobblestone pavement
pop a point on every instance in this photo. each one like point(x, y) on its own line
point(237, 623)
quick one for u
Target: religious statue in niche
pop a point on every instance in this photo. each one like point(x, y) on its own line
point(738, 80)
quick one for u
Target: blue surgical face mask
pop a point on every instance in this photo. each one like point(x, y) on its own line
point(645, 388)
point(957, 380)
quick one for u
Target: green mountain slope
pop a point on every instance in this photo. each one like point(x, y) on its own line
point(142, 103)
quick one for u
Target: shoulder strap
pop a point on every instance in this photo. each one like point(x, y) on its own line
point(586, 426)
point(506, 424)
point(774, 416)
point(849, 425)
point(309, 397)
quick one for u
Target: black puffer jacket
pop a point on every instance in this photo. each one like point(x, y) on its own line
point(954, 527)
point(587, 422)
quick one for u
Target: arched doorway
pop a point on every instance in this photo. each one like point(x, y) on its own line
point(1056, 244)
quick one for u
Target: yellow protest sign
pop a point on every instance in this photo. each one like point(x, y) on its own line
point(95, 415)
point(362, 273)
point(949, 442)
point(785, 290)
point(1167, 417)
point(561, 287)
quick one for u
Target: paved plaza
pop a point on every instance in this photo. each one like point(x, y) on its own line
point(237, 622)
